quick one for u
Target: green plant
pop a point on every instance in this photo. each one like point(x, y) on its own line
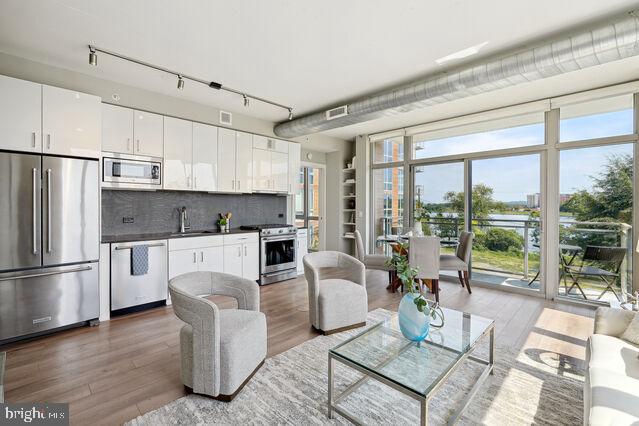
point(407, 274)
point(498, 239)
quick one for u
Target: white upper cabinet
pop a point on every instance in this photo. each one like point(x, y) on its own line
point(205, 147)
point(20, 115)
point(117, 129)
point(279, 146)
point(260, 142)
point(178, 154)
point(244, 162)
point(226, 164)
point(71, 122)
point(294, 163)
point(279, 171)
point(262, 170)
point(148, 134)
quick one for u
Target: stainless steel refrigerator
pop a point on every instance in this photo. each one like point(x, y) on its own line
point(49, 243)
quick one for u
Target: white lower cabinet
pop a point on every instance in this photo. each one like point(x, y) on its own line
point(236, 254)
point(233, 259)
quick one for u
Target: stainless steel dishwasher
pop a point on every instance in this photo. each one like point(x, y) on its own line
point(133, 290)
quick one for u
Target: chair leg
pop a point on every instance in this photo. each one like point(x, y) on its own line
point(435, 284)
point(461, 279)
point(467, 281)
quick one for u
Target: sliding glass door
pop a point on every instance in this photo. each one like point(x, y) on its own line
point(506, 209)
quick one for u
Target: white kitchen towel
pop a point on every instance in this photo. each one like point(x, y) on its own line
point(139, 260)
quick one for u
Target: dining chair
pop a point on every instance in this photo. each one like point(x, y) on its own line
point(372, 261)
point(460, 260)
point(423, 254)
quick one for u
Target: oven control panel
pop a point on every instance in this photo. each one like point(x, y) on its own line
point(278, 231)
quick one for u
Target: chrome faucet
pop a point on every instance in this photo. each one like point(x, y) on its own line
point(185, 225)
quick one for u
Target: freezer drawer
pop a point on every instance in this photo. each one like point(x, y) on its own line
point(132, 290)
point(42, 299)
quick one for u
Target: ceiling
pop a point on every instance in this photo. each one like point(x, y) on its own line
point(310, 55)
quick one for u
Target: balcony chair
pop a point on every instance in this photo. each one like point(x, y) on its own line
point(612, 257)
point(335, 304)
point(221, 349)
point(372, 261)
point(423, 254)
point(460, 260)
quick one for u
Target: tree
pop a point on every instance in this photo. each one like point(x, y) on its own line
point(482, 200)
point(611, 197)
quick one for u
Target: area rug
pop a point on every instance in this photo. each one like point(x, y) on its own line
point(531, 387)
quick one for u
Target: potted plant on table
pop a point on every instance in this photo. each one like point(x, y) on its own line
point(416, 312)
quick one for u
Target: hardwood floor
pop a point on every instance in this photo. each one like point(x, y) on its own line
point(130, 365)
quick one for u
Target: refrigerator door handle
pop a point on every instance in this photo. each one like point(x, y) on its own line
point(34, 213)
point(49, 250)
point(44, 274)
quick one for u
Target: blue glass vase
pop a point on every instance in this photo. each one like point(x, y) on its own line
point(413, 324)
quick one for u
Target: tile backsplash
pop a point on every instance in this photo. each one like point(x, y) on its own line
point(156, 211)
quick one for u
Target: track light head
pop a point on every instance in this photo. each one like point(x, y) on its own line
point(246, 100)
point(93, 57)
point(180, 83)
point(290, 114)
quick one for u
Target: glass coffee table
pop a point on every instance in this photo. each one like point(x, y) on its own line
point(418, 370)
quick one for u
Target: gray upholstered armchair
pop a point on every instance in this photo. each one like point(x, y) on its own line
point(336, 304)
point(221, 348)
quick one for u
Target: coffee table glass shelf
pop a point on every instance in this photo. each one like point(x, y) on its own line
point(417, 370)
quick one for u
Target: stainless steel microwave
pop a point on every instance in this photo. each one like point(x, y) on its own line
point(122, 171)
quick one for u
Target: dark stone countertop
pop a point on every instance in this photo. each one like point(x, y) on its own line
point(127, 238)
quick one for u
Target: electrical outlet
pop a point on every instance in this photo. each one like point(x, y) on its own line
point(280, 215)
point(127, 219)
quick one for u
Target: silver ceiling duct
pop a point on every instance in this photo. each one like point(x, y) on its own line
point(614, 40)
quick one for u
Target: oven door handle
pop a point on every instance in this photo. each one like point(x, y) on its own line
point(288, 237)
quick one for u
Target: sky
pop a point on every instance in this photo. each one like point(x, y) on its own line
point(512, 178)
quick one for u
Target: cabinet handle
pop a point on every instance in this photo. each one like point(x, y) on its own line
point(239, 251)
point(239, 184)
point(233, 184)
point(128, 144)
point(33, 139)
point(48, 140)
point(188, 181)
point(194, 257)
point(195, 182)
point(138, 145)
point(202, 256)
point(245, 251)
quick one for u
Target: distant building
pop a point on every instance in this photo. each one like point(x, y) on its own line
point(532, 201)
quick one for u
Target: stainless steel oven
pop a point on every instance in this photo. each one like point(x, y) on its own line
point(278, 252)
point(122, 171)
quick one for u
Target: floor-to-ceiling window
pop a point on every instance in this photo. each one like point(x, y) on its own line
point(504, 175)
point(504, 206)
point(388, 190)
point(596, 187)
point(307, 204)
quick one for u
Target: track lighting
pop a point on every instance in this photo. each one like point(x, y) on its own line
point(93, 60)
point(290, 114)
point(93, 57)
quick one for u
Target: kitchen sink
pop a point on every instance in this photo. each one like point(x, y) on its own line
point(191, 233)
